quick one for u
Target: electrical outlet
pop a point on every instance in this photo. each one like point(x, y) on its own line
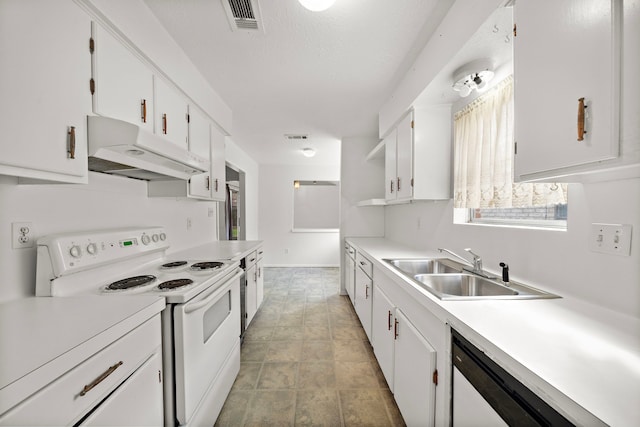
point(22, 235)
point(611, 238)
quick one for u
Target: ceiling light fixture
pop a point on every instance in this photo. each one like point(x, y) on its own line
point(472, 76)
point(308, 152)
point(317, 5)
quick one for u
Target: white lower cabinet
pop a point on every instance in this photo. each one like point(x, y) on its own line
point(350, 270)
point(406, 340)
point(363, 293)
point(259, 279)
point(414, 373)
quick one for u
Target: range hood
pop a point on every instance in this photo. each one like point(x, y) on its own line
point(121, 148)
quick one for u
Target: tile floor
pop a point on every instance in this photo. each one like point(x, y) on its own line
point(306, 360)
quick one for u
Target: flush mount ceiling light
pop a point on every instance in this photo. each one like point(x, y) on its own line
point(317, 5)
point(472, 76)
point(308, 152)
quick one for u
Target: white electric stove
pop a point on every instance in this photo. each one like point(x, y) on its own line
point(201, 323)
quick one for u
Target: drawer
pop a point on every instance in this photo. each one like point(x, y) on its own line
point(364, 264)
point(260, 253)
point(251, 259)
point(63, 401)
point(349, 250)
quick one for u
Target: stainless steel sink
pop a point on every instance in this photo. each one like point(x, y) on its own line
point(425, 266)
point(445, 279)
point(463, 285)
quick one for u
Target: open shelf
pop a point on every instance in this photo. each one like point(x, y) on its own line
point(372, 202)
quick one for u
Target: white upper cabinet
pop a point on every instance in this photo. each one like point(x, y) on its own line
point(171, 111)
point(566, 55)
point(123, 84)
point(418, 156)
point(200, 144)
point(44, 82)
point(218, 165)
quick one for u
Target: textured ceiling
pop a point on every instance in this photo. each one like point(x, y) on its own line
point(325, 74)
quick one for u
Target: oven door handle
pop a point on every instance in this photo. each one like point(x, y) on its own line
point(197, 305)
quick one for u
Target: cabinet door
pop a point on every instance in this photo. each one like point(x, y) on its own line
point(170, 113)
point(138, 401)
point(350, 273)
point(382, 322)
point(259, 280)
point(251, 293)
point(200, 144)
point(414, 367)
point(563, 52)
point(44, 82)
point(363, 291)
point(390, 177)
point(404, 162)
point(123, 84)
point(218, 165)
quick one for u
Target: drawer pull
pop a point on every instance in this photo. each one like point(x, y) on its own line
point(101, 378)
point(71, 151)
point(395, 329)
point(164, 124)
point(143, 110)
point(389, 321)
point(581, 119)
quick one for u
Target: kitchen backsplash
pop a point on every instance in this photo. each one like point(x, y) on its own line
point(105, 202)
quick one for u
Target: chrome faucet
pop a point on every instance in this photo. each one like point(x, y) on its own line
point(476, 264)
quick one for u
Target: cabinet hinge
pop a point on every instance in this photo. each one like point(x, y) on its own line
point(515, 148)
point(159, 376)
point(435, 377)
point(515, 32)
point(92, 86)
point(411, 124)
point(92, 45)
point(188, 118)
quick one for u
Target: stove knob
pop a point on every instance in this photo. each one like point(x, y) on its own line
point(92, 248)
point(75, 251)
point(155, 238)
point(146, 239)
point(163, 237)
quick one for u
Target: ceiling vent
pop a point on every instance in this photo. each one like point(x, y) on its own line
point(296, 137)
point(243, 14)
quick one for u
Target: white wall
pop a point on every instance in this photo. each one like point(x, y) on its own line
point(105, 202)
point(276, 218)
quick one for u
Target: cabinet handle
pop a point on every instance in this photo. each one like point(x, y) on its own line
point(366, 291)
point(72, 142)
point(101, 378)
point(259, 272)
point(215, 185)
point(398, 183)
point(581, 108)
point(391, 186)
point(389, 321)
point(208, 183)
point(143, 110)
point(395, 329)
point(164, 124)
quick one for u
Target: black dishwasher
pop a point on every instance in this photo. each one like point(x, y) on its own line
point(508, 397)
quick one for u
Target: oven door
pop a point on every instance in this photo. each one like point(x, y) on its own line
point(205, 332)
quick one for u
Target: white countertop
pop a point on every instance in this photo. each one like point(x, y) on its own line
point(43, 337)
point(220, 250)
point(573, 354)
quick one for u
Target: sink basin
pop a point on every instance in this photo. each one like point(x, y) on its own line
point(463, 285)
point(446, 279)
point(425, 266)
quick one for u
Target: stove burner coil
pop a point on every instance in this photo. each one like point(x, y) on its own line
point(174, 264)
point(210, 265)
point(131, 282)
point(177, 283)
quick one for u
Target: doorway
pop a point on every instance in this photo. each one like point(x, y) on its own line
point(231, 214)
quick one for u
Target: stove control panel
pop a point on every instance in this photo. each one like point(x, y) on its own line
point(72, 252)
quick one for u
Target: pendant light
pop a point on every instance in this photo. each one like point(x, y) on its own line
point(317, 5)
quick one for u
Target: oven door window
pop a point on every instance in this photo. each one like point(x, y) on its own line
point(215, 315)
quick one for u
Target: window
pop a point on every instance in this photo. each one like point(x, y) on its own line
point(316, 206)
point(483, 168)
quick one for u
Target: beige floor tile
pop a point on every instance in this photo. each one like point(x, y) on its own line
point(340, 332)
point(316, 375)
point(257, 333)
point(316, 319)
point(349, 351)
point(317, 350)
point(291, 319)
point(271, 408)
point(253, 351)
point(355, 375)
point(317, 408)
point(315, 333)
point(234, 409)
point(392, 408)
point(288, 333)
point(363, 408)
point(278, 375)
point(248, 376)
point(284, 351)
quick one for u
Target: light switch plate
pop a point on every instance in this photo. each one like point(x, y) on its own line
point(610, 238)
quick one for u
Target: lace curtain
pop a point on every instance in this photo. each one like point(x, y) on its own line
point(483, 157)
